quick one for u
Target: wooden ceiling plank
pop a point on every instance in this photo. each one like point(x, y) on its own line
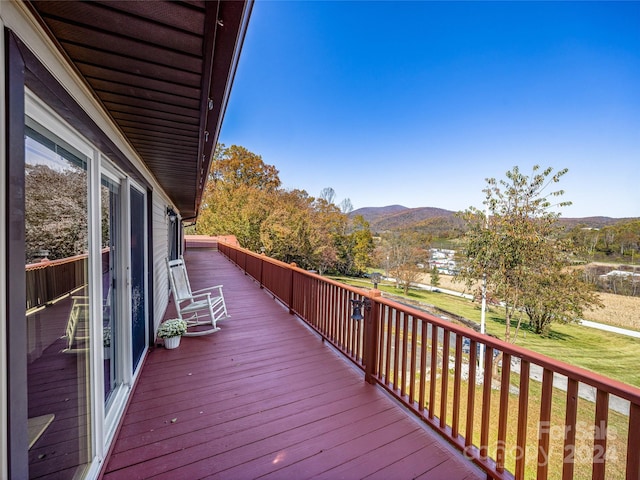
point(141, 92)
point(128, 119)
point(171, 145)
point(127, 78)
point(100, 16)
point(123, 46)
point(141, 68)
point(174, 140)
point(156, 113)
point(145, 105)
point(134, 126)
point(184, 16)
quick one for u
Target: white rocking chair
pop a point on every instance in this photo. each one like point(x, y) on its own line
point(208, 301)
point(77, 331)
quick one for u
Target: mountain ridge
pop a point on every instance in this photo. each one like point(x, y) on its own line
point(397, 217)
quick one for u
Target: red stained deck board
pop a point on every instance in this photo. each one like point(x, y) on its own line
point(415, 463)
point(229, 446)
point(225, 409)
point(290, 450)
point(265, 396)
point(338, 455)
point(376, 458)
point(243, 426)
point(265, 388)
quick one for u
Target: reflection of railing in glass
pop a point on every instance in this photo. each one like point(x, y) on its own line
point(48, 281)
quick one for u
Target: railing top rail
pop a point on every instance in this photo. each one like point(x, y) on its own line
point(264, 258)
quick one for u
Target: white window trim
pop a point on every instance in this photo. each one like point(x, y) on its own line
point(44, 115)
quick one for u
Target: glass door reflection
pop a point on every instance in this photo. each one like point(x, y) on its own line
point(110, 195)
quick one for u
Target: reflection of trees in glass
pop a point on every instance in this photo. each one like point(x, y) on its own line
point(108, 199)
point(55, 211)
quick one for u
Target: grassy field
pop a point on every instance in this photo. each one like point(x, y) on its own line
point(609, 354)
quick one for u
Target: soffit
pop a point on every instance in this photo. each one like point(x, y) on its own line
point(155, 66)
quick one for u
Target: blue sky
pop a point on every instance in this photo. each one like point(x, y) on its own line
point(416, 103)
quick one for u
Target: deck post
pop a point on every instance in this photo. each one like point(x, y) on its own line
point(370, 354)
point(261, 269)
point(291, 275)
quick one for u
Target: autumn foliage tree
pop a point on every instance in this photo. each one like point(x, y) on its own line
point(361, 244)
point(243, 197)
point(553, 294)
point(515, 244)
point(404, 250)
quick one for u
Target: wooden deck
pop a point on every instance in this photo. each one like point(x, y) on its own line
point(266, 398)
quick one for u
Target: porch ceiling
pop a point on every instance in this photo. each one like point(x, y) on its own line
point(157, 67)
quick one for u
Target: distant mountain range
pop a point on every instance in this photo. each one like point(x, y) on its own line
point(439, 220)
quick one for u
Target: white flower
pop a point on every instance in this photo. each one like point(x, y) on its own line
point(172, 328)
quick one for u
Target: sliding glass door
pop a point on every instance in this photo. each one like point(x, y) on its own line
point(59, 317)
point(86, 316)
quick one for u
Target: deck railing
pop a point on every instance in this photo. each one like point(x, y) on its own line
point(515, 413)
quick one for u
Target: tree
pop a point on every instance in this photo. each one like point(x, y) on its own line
point(405, 249)
point(516, 246)
point(554, 295)
point(326, 258)
point(328, 227)
point(243, 197)
point(346, 206)
point(362, 243)
point(285, 233)
point(236, 166)
point(328, 194)
point(239, 211)
point(238, 196)
point(435, 277)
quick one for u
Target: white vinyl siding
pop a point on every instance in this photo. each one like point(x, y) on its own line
point(160, 252)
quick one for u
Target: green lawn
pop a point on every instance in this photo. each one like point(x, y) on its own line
point(609, 354)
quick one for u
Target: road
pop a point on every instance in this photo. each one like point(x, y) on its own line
point(610, 328)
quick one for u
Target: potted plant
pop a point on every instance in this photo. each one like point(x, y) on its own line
point(171, 331)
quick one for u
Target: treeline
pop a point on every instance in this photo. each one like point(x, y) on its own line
point(244, 197)
point(616, 242)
